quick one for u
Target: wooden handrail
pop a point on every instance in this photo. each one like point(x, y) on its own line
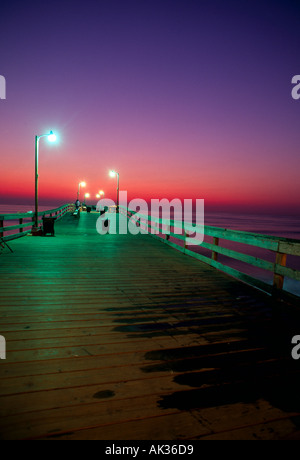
point(280, 247)
point(58, 213)
point(176, 234)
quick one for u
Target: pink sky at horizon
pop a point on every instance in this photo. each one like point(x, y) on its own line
point(182, 102)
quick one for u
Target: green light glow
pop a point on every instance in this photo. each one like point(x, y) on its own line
point(52, 137)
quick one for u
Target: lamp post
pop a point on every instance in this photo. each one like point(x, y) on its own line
point(113, 174)
point(51, 138)
point(81, 184)
point(99, 196)
point(87, 195)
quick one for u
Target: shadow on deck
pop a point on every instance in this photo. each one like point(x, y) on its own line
point(121, 337)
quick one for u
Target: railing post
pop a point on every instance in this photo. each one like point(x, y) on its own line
point(1, 225)
point(214, 254)
point(186, 235)
point(168, 230)
point(278, 280)
point(20, 223)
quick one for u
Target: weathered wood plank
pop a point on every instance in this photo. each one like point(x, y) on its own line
point(255, 261)
point(260, 422)
point(126, 334)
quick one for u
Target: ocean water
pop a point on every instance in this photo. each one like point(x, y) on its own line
point(21, 208)
point(281, 226)
point(275, 225)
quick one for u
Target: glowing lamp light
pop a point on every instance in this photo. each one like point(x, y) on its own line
point(52, 137)
point(112, 173)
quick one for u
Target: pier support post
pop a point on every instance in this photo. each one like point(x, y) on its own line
point(214, 254)
point(186, 235)
point(278, 279)
point(167, 232)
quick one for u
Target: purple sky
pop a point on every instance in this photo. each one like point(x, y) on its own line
point(188, 99)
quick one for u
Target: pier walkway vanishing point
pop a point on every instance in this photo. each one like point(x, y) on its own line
point(121, 337)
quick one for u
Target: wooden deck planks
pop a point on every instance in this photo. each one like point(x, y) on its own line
point(122, 337)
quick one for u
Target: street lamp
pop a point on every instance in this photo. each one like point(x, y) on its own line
point(51, 138)
point(81, 184)
point(86, 195)
point(113, 174)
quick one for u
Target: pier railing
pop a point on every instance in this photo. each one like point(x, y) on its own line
point(220, 247)
point(231, 251)
point(20, 224)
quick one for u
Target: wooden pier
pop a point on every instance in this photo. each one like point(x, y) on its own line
point(121, 337)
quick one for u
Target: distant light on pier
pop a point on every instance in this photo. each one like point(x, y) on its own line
point(113, 174)
point(80, 184)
